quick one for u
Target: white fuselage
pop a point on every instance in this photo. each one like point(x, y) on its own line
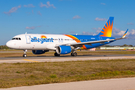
point(38, 41)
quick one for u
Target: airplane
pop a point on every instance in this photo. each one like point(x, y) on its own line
point(63, 44)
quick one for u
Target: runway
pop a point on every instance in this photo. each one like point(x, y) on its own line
point(63, 58)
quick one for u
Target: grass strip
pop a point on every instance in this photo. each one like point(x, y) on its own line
point(26, 74)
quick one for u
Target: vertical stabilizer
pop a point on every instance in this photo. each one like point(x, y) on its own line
point(107, 29)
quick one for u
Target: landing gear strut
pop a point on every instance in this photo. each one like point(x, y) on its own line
point(25, 55)
point(73, 54)
point(56, 54)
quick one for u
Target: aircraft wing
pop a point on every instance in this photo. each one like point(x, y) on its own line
point(92, 42)
point(99, 41)
point(123, 37)
point(89, 43)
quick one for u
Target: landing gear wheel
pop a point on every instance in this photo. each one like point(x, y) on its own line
point(24, 55)
point(74, 54)
point(56, 54)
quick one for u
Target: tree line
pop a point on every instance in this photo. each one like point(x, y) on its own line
point(3, 47)
point(125, 45)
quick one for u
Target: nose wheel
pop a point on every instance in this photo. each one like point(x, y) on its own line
point(25, 55)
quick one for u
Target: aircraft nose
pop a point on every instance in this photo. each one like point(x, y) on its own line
point(9, 44)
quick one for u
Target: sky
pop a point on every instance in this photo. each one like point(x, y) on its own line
point(85, 17)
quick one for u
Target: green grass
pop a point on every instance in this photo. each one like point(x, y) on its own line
point(26, 74)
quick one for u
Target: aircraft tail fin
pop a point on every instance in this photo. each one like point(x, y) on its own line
point(107, 29)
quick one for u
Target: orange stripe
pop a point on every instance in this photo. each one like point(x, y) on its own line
point(76, 39)
point(84, 47)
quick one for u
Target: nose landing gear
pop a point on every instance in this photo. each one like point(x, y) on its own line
point(25, 55)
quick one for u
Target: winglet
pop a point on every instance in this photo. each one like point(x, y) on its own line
point(125, 34)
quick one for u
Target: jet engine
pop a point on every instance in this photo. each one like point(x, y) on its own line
point(63, 49)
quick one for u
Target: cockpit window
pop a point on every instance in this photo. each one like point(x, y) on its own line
point(16, 38)
point(13, 38)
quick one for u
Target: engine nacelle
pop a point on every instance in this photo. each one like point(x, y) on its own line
point(63, 49)
point(39, 51)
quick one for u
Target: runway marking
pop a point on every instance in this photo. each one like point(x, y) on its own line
point(30, 60)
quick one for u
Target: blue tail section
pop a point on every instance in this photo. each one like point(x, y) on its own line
point(107, 29)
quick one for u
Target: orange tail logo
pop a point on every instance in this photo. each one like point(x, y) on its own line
point(107, 29)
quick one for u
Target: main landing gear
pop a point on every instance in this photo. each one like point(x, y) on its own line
point(73, 54)
point(25, 55)
point(56, 54)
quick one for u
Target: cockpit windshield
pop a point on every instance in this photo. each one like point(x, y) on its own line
point(16, 38)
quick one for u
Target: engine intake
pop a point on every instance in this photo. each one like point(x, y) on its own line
point(63, 49)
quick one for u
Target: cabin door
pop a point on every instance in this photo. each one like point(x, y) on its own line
point(28, 39)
